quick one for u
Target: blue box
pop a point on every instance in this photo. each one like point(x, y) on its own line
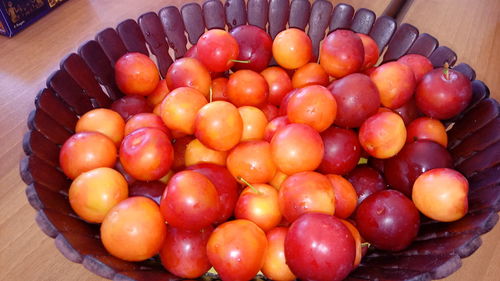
point(15, 15)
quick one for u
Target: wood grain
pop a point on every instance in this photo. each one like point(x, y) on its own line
point(26, 253)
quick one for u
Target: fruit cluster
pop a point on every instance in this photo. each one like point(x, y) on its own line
point(291, 170)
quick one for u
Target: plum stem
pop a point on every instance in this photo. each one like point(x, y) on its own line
point(365, 244)
point(248, 184)
point(446, 71)
point(241, 61)
point(210, 95)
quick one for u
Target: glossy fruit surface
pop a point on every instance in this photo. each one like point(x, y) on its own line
point(147, 154)
point(357, 99)
point(92, 194)
point(341, 53)
point(437, 88)
point(296, 148)
point(137, 223)
point(292, 48)
point(319, 247)
point(190, 201)
point(136, 74)
point(236, 249)
point(86, 151)
point(388, 220)
point(441, 194)
point(342, 151)
point(255, 46)
point(217, 50)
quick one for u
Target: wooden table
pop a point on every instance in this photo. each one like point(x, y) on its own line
point(26, 60)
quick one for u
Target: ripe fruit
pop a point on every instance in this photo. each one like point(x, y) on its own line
point(189, 72)
point(92, 194)
point(134, 229)
point(279, 83)
point(297, 148)
point(425, 128)
point(357, 99)
point(217, 50)
point(388, 220)
point(236, 249)
point(314, 106)
point(196, 153)
point(310, 74)
point(178, 109)
point(247, 87)
point(190, 201)
point(440, 87)
point(341, 53)
point(419, 64)
point(252, 161)
point(275, 266)
point(441, 194)
point(319, 247)
point(383, 134)
point(104, 121)
point(184, 252)
point(218, 125)
point(371, 51)
point(136, 74)
point(342, 151)
point(255, 46)
point(254, 123)
point(346, 198)
point(86, 151)
point(395, 83)
point(259, 204)
point(147, 154)
point(292, 48)
point(306, 192)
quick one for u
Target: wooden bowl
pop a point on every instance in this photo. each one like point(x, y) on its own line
point(86, 80)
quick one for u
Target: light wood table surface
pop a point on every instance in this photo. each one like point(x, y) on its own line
point(470, 28)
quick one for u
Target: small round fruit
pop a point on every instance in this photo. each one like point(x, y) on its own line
point(255, 45)
point(189, 72)
point(346, 198)
point(259, 204)
point(247, 87)
point(419, 64)
point(236, 249)
point(443, 87)
point(371, 51)
point(147, 154)
point(341, 53)
point(297, 148)
point(218, 125)
point(86, 151)
point(92, 194)
point(312, 105)
point(310, 74)
point(306, 192)
point(320, 242)
point(254, 123)
point(142, 120)
point(292, 48)
point(178, 110)
point(395, 83)
point(184, 252)
point(190, 201)
point(196, 153)
point(383, 135)
point(425, 128)
point(217, 50)
point(104, 121)
point(342, 151)
point(134, 229)
point(441, 194)
point(357, 99)
point(252, 160)
point(388, 220)
point(275, 266)
point(136, 74)
point(279, 83)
